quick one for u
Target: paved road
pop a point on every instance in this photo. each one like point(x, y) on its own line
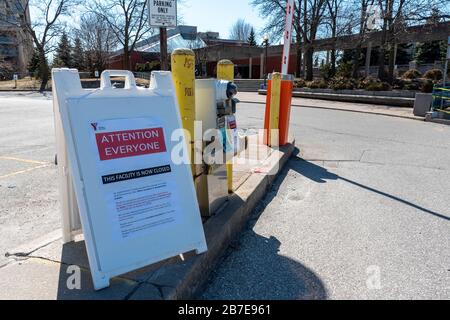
point(366, 196)
point(28, 186)
point(361, 213)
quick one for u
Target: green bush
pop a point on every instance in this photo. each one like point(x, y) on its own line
point(398, 84)
point(299, 83)
point(325, 72)
point(317, 84)
point(148, 66)
point(378, 86)
point(433, 74)
point(344, 70)
point(427, 86)
point(363, 83)
point(341, 83)
point(411, 74)
point(373, 84)
point(413, 86)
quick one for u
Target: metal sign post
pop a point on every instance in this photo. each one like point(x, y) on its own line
point(287, 37)
point(163, 48)
point(163, 15)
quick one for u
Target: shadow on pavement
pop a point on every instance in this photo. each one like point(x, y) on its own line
point(75, 280)
point(256, 271)
point(321, 175)
point(253, 269)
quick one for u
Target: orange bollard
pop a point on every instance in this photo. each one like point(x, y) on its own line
point(285, 110)
point(287, 85)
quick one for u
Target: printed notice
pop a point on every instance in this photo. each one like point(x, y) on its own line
point(136, 175)
point(141, 209)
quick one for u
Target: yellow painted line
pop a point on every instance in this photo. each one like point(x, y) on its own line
point(24, 160)
point(25, 171)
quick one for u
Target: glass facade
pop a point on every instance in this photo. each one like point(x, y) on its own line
point(174, 42)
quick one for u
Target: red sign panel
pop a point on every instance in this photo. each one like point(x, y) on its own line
point(132, 143)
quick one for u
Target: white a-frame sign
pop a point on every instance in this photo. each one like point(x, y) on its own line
point(136, 206)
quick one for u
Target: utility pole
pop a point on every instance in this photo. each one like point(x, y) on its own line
point(163, 48)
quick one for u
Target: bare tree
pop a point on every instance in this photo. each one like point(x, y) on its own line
point(47, 26)
point(337, 22)
point(274, 11)
point(397, 15)
point(127, 19)
point(308, 16)
point(313, 12)
point(363, 26)
point(98, 41)
point(240, 30)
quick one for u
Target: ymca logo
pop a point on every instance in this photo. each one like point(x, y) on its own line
point(94, 125)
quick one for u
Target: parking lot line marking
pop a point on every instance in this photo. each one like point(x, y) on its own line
point(25, 171)
point(24, 160)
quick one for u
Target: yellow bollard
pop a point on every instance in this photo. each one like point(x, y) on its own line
point(275, 110)
point(225, 71)
point(183, 73)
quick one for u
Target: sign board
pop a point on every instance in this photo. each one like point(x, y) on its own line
point(162, 13)
point(96, 74)
point(137, 207)
point(287, 36)
point(16, 77)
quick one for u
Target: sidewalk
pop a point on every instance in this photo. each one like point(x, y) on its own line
point(407, 113)
point(47, 269)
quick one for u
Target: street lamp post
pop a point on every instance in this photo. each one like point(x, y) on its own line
point(266, 44)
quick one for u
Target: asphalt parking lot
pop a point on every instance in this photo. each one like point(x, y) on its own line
point(366, 196)
point(28, 178)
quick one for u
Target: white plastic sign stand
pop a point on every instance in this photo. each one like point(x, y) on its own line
point(136, 206)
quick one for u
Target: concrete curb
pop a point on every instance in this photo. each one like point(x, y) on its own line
point(221, 229)
point(348, 110)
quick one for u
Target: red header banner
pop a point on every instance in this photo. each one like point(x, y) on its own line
point(133, 143)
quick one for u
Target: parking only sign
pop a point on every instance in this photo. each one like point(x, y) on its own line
point(162, 13)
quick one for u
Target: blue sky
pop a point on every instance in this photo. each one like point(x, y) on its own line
point(207, 15)
point(218, 15)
